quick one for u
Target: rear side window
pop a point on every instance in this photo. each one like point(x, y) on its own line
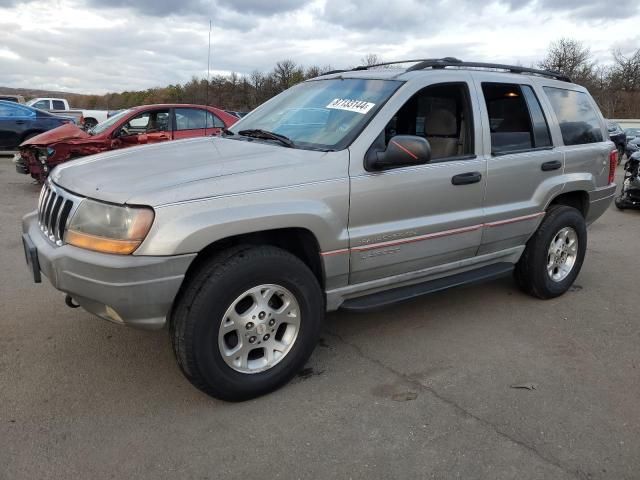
point(190, 118)
point(516, 120)
point(213, 121)
point(578, 119)
point(7, 111)
point(58, 104)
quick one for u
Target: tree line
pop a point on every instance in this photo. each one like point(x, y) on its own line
point(615, 86)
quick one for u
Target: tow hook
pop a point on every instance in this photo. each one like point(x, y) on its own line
point(69, 301)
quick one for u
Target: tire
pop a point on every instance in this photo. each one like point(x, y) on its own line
point(89, 123)
point(532, 271)
point(207, 300)
point(619, 202)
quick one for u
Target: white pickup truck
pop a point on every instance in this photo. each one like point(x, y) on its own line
point(88, 118)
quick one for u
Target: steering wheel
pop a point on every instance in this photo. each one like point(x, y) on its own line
point(124, 129)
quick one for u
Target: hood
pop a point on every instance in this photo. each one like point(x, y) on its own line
point(189, 169)
point(64, 132)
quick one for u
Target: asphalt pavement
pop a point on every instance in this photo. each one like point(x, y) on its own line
point(425, 389)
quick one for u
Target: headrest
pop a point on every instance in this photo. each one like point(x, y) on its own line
point(440, 122)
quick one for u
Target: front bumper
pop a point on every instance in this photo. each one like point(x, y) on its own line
point(132, 290)
point(599, 201)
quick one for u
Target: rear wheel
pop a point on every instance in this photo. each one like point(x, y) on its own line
point(246, 322)
point(553, 256)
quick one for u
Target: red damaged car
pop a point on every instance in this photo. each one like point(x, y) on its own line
point(135, 126)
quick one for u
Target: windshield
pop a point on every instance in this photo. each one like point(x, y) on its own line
point(321, 114)
point(108, 123)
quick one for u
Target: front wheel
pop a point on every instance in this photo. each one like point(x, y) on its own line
point(246, 322)
point(554, 254)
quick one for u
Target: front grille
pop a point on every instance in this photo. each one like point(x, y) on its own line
point(54, 210)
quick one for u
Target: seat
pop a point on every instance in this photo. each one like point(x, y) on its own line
point(441, 130)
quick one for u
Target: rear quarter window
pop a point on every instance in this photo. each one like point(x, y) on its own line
point(578, 119)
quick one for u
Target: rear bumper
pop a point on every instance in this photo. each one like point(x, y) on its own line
point(131, 290)
point(599, 201)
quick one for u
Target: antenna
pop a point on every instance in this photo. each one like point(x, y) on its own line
point(208, 67)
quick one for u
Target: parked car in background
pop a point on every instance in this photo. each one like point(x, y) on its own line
point(90, 118)
point(633, 146)
point(12, 98)
point(618, 137)
point(135, 126)
point(632, 133)
point(20, 122)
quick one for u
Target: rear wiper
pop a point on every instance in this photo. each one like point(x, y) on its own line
point(259, 133)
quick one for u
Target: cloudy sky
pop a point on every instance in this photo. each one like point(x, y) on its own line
point(96, 46)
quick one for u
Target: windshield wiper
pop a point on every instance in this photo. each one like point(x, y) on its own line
point(259, 133)
point(226, 131)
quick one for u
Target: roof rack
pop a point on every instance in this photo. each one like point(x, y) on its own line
point(454, 62)
point(441, 63)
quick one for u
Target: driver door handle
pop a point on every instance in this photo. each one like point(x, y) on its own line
point(466, 178)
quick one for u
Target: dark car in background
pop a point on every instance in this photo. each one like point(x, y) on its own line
point(136, 126)
point(632, 133)
point(21, 122)
point(619, 137)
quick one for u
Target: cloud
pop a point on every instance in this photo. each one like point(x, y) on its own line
point(95, 46)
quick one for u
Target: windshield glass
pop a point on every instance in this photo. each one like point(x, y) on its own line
point(108, 123)
point(321, 114)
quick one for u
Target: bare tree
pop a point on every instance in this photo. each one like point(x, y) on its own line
point(371, 59)
point(287, 73)
point(572, 58)
point(626, 71)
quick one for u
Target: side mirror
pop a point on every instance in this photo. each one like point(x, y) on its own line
point(402, 151)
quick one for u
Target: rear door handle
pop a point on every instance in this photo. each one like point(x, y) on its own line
point(552, 165)
point(466, 178)
point(19, 122)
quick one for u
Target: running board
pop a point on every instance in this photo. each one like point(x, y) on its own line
point(401, 294)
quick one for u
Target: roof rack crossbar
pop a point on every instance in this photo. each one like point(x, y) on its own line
point(452, 62)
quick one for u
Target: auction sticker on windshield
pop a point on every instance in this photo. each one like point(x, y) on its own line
point(358, 106)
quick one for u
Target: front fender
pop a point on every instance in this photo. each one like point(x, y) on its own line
point(188, 227)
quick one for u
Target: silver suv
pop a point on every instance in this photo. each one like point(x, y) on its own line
point(353, 190)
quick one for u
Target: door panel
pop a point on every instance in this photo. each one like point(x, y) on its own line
point(517, 192)
point(523, 167)
point(409, 219)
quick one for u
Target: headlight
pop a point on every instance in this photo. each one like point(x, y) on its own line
point(107, 228)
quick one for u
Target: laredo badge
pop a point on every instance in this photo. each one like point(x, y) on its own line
point(358, 106)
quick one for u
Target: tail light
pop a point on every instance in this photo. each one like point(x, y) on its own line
point(613, 162)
